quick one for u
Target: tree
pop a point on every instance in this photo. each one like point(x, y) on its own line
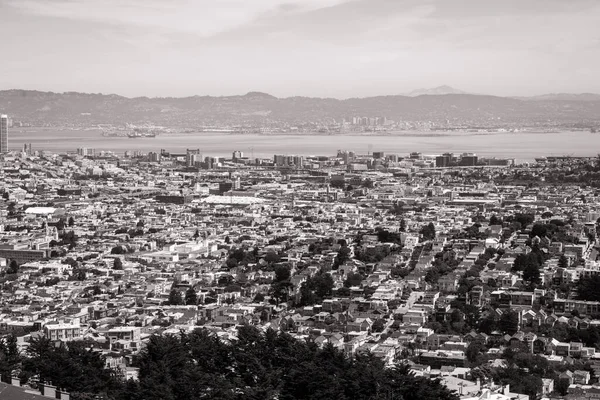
point(71, 221)
point(191, 299)
point(563, 261)
point(118, 250)
point(562, 386)
point(282, 273)
point(494, 220)
point(60, 225)
point(473, 351)
point(402, 225)
point(428, 231)
point(13, 267)
point(175, 298)
point(196, 234)
point(280, 291)
point(378, 325)
point(140, 224)
point(10, 357)
point(316, 288)
point(272, 257)
point(353, 279)
point(509, 322)
point(531, 274)
point(118, 264)
point(587, 288)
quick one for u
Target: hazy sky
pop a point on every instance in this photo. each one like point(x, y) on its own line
point(333, 48)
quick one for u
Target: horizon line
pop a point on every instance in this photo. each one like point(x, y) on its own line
point(313, 97)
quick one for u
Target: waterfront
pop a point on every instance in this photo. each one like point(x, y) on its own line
point(523, 146)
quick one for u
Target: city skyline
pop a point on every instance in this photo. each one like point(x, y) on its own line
point(317, 48)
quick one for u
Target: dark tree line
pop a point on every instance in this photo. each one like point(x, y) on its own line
point(199, 365)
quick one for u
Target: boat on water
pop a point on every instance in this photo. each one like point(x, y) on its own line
point(137, 134)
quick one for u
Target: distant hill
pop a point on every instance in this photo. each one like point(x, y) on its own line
point(257, 108)
point(440, 90)
point(563, 97)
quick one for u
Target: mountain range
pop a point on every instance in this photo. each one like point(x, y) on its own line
point(441, 105)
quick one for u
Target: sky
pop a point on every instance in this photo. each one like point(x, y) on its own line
point(319, 48)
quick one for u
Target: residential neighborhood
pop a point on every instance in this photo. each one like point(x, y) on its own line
point(480, 273)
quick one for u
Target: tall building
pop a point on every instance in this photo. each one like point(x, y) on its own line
point(192, 156)
point(3, 134)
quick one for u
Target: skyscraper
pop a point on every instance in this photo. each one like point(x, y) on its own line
point(3, 134)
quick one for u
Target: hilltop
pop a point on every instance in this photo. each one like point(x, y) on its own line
point(260, 108)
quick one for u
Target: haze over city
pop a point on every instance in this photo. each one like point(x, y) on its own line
point(324, 48)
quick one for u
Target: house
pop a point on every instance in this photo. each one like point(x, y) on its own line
point(359, 325)
point(581, 377)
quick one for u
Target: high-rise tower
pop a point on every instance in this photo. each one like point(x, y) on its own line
point(3, 134)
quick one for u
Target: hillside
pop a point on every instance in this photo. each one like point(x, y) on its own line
point(47, 108)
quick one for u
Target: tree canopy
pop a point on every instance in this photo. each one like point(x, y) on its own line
point(272, 365)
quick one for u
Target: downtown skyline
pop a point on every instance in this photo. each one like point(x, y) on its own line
point(315, 48)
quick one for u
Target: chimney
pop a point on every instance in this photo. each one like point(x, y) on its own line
point(48, 390)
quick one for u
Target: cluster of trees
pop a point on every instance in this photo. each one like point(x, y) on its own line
point(444, 263)
point(190, 297)
point(530, 265)
point(587, 288)
point(315, 289)
point(240, 256)
point(122, 249)
point(281, 286)
point(74, 368)
point(199, 365)
point(372, 254)
point(428, 231)
point(385, 236)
